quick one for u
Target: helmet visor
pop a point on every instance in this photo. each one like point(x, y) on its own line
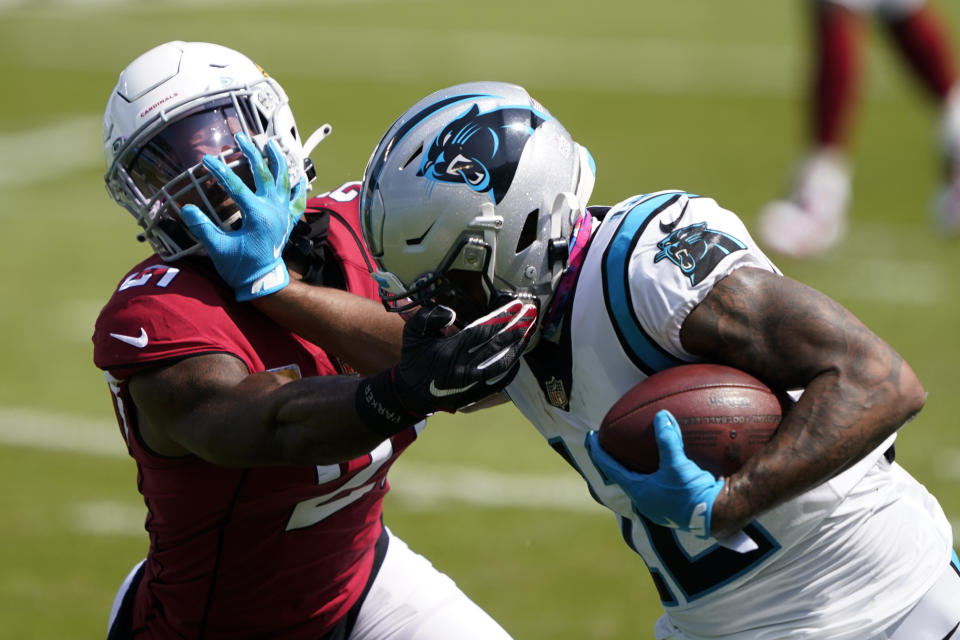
point(166, 167)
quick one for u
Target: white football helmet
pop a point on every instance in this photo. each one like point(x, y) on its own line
point(478, 177)
point(172, 105)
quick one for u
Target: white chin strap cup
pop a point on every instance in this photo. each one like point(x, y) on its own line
point(316, 138)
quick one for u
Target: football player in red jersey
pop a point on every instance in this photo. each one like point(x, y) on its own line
point(812, 218)
point(261, 451)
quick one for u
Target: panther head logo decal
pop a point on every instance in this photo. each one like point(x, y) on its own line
point(482, 150)
point(696, 250)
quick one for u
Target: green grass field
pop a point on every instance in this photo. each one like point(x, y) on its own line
point(689, 94)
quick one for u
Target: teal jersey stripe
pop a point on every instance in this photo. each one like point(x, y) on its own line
point(642, 350)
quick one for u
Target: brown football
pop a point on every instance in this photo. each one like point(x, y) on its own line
point(724, 414)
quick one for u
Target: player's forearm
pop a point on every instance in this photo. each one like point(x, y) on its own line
point(209, 406)
point(314, 421)
point(835, 424)
point(358, 330)
point(857, 389)
point(311, 421)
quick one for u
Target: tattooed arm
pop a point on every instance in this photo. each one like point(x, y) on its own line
point(858, 390)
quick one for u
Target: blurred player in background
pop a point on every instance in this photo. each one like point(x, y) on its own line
point(477, 195)
point(261, 468)
point(812, 218)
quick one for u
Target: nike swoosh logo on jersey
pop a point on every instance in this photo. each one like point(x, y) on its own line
point(670, 226)
point(441, 393)
point(137, 341)
point(277, 251)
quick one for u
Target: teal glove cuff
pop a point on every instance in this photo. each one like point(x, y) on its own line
point(275, 279)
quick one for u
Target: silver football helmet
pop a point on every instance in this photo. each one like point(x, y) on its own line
point(170, 107)
point(480, 178)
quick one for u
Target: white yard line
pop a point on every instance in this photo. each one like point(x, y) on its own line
point(909, 283)
point(948, 465)
point(420, 486)
point(414, 485)
point(47, 153)
point(60, 432)
point(425, 486)
point(108, 518)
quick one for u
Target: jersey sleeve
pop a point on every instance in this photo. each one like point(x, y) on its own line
point(160, 313)
point(681, 248)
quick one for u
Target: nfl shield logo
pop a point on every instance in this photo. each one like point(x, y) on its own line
point(556, 393)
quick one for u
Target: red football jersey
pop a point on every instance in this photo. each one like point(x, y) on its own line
point(279, 552)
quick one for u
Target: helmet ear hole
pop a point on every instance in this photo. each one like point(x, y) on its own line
point(529, 232)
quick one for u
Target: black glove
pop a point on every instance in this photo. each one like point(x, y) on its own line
point(444, 373)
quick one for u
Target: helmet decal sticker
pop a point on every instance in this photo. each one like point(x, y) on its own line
point(482, 150)
point(476, 168)
point(372, 181)
point(697, 250)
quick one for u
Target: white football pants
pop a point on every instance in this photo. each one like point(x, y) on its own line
point(411, 599)
point(408, 599)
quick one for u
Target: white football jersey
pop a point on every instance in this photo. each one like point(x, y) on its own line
point(843, 560)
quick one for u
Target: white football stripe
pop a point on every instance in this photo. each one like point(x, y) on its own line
point(416, 485)
point(60, 432)
point(428, 486)
point(48, 152)
point(948, 464)
point(105, 517)
point(909, 283)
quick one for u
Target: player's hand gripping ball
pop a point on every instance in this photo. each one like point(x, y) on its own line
point(725, 416)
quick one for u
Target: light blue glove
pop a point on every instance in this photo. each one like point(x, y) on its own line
point(679, 494)
point(250, 258)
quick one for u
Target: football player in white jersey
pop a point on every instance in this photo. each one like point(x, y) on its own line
point(477, 195)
